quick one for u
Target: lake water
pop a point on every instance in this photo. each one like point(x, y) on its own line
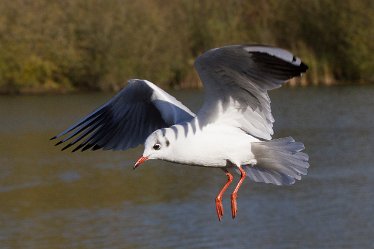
point(54, 199)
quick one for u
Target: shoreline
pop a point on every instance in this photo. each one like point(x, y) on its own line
point(298, 83)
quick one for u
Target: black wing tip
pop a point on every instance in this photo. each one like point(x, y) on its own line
point(96, 147)
point(52, 138)
point(86, 147)
point(82, 146)
point(78, 147)
point(303, 67)
point(71, 144)
point(67, 146)
point(58, 143)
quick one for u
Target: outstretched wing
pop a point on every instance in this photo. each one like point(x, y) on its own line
point(127, 119)
point(236, 80)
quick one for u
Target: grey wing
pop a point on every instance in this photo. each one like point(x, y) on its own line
point(127, 119)
point(236, 80)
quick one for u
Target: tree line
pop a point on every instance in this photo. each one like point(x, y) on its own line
point(99, 44)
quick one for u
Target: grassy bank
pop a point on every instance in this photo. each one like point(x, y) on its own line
point(62, 46)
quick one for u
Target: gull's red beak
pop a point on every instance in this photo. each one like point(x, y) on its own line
point(140, 161)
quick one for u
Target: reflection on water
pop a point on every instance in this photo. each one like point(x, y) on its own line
point(53, 199)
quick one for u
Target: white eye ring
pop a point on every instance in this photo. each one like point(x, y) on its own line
point(157, 146)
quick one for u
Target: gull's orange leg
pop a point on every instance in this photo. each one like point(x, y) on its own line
point(219, 206)
point(234, 195)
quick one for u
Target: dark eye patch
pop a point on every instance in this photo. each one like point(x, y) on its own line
point(167, 142)
point(157, 146)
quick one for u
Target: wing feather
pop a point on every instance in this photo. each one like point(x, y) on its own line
point(126, 120)
point(236, 80)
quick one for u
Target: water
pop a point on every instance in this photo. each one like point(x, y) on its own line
point(54, 199)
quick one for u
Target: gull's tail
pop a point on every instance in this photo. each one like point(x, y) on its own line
point(279, 161)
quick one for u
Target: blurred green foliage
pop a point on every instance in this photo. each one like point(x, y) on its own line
point(99, 44)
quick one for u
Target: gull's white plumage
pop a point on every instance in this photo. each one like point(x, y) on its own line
point(233, 128)
point(213, 145)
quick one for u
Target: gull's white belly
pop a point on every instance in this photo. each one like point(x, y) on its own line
point(214, 146)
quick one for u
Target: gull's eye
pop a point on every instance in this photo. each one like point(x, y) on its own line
point(157, 146)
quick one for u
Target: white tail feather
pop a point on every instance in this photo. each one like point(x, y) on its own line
point(279, 161)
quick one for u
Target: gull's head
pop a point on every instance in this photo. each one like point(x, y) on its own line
point(157, 146)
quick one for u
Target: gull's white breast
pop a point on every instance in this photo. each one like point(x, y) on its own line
point(212, 145)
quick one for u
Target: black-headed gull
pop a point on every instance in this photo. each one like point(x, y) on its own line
point(233, 128)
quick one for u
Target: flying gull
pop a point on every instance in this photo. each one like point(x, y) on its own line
point(232, 130)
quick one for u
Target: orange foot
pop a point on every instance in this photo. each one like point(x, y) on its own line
point(219, 208)
point(234, 206)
